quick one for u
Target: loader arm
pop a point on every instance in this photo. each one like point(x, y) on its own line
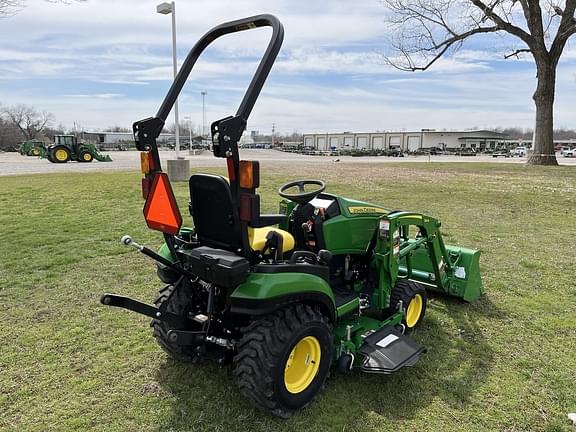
point(425, 258)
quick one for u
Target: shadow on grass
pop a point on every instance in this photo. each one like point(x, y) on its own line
point(458, 360)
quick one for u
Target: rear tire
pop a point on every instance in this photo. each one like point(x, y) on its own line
point(177, 303)
point(284, 359)
point(59, 154)
point(414, 299)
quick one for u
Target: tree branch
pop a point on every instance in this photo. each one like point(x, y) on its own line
point(534, 22)
point(518, 51)
point(442, 46)
point(504, 25)
point(566, 29)
point(10, 7)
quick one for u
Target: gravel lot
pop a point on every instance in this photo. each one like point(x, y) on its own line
point(14, 164)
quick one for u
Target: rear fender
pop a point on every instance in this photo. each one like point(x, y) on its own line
point(263, 293)
point(165, 274)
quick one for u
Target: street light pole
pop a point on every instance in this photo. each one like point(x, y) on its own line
point(165, 9)
point(189, 118)
point(204, 93)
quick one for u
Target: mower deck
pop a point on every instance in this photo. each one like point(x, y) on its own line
point(388, 350)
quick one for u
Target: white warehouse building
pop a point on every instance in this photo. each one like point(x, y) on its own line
point(405, 141)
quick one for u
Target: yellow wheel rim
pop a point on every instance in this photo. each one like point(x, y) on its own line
point(35, 152)
point(61, 155)
point(414, 310)
point(302, 365)
point(87, 157)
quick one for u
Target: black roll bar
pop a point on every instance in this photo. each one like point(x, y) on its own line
point(147, 131)
point(259, 77)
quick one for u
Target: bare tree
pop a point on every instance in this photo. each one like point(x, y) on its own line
point(10, 137)
point(426, 30)
point(10, 7)
point(117, 128)
point(184, 128)
point(29, 122)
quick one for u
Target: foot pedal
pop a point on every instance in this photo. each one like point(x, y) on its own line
point(387, 350)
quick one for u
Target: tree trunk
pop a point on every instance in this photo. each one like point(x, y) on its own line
point(543, 139)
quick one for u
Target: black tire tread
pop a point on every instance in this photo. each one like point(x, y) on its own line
point(81, 156)
point(176, 303)
point(53, 152)
point(404, 290)
point(259, 353)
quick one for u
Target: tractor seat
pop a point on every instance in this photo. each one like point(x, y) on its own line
point(257, 238)
point(216, 219)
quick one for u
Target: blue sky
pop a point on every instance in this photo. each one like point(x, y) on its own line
point(101, 63)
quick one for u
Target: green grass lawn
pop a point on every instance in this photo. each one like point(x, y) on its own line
point(504, 363)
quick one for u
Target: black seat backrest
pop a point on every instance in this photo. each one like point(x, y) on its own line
point(215, 217)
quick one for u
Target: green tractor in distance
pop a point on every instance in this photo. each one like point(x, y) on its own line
point(328, 282)
point(67, 148)
point(32, 147)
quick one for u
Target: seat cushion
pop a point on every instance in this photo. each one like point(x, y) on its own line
point(257, 238)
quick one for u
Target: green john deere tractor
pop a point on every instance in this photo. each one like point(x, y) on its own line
point(328, 282)
point(32, 147)
point(67, 148)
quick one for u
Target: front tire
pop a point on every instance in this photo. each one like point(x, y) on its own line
point(284, 359)
point(85, 156)
point(414, 300)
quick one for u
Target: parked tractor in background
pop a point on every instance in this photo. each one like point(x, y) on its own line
point(67, 148)
point(32, 147)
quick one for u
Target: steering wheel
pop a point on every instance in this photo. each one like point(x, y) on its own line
point(301, 197)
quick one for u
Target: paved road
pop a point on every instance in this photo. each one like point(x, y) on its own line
point(14, 163)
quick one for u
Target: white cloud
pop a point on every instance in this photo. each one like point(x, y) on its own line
point(478, 55)
point(111, 60)
point(95, 95)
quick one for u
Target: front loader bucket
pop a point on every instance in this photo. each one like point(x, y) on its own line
point(466, 282)
point(102, 158)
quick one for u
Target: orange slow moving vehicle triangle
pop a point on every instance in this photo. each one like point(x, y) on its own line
point(161, 210)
